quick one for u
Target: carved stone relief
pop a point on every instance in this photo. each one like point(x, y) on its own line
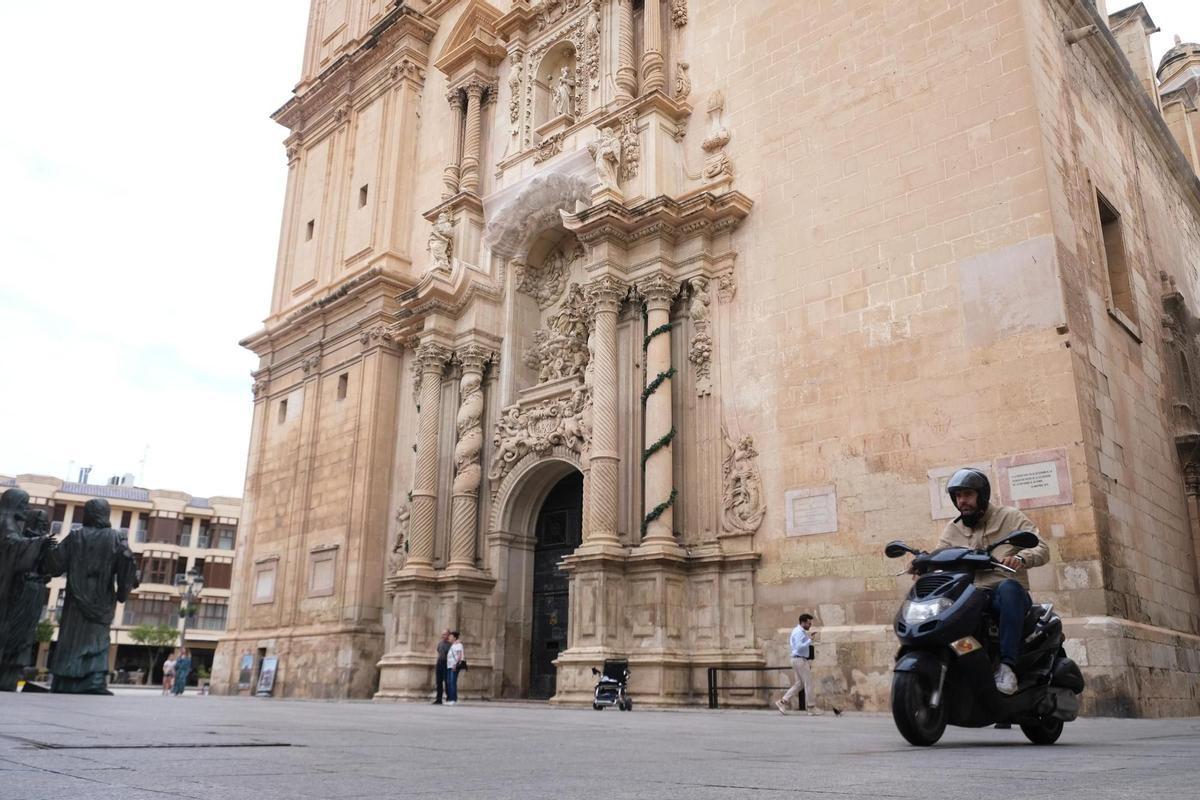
point(606, 152)
point(683, 81)
point(741, 495)
point(726, 287)
point(399, 554)
point(701, 347)
point(441, 241)
point(631, 147)
point(560, 350)
point(717, 163)
point(679, 13)
point(546, 283)
point(549, 148)
point(515, 82)
point(1180, 332)
point(537, 429)
point(585, 36)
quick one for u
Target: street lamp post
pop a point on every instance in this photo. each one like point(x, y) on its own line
point(189, 587)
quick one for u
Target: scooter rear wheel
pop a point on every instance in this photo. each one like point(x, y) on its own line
point(916, 721)
point(1044, 731)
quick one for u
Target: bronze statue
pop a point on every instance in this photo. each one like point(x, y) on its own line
point(101, 572)
point(18, 558)
point(23, 606)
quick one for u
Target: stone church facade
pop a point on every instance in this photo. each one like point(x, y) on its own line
point(634, 328)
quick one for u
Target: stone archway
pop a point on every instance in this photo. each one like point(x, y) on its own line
point(513, 530)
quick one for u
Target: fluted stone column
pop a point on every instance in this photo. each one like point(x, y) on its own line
point(626, 69)
point(654, 75)
point(658, 292)
point(451, 173)
point(606, 295)
point(433, 358)
point(469, 182)
point(464, 503)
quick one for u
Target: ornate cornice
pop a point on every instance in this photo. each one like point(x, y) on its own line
point(662, 217)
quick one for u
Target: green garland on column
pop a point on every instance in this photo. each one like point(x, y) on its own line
point(650, 389)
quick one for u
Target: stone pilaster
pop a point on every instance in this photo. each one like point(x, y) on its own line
point(469, 182)
point(626, 68)
point(606, 294)
point(658, 292)
point(464, 504)
point(654, 75)
point(432, 358)
point(450, 174)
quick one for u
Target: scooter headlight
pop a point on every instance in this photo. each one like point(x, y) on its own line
point(918, 611)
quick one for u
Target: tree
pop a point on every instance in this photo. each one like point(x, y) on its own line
point(156, 637)
point(45, 631)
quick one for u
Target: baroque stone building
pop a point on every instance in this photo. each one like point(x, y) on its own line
point(632, 328)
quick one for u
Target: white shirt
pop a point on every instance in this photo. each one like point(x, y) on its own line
point(800, 641)
point(454, 656)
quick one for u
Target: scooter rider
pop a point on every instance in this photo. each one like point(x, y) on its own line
point(977, 526)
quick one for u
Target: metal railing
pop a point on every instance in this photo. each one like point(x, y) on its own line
point(714, 688)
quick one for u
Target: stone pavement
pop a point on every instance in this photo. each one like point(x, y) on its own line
point(138, 746)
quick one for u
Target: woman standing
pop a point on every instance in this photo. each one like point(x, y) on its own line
point(182, 667)
point(454, 659)
point(169, 673)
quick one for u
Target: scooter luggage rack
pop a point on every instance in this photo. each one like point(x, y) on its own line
point(713, 688)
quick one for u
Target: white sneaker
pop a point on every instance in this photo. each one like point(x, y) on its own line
point(814, 712)
point(782, 708)
point(1006, 680)
point(452, 702)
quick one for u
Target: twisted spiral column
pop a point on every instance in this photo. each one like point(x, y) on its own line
point(654, 75)
point(464, 502)
point(658, 291)
point(450, 173)
point(606, 294)
point(626, 69)
point(432, 358)
point(469, 182)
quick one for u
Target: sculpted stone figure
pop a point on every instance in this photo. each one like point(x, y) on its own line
point(441, 239)
point(101, 572)
point(22, 543)
point(606, 152)
point(742, 496)
point(560, 350)
point(564, 93)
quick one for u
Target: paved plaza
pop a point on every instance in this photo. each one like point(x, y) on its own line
point(138, 746)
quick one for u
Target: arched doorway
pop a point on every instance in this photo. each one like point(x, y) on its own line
point(558, 531)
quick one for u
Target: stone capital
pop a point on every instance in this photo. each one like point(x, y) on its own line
point(454, 98)
point(474, 357)
point(607, 293)
point(658, 290)
point(433, 357)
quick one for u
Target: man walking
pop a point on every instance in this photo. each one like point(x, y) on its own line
point(443, 647)
point(801, 645)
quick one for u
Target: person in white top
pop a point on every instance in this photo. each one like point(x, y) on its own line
point(454, 658)
point(801, 645)
point(168, 673)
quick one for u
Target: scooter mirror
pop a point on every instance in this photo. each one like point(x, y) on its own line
point(1021, 539)
point(897, 548)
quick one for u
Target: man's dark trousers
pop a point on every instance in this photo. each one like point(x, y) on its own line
point(441, 680)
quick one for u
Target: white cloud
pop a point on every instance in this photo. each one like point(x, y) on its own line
point(143, 182)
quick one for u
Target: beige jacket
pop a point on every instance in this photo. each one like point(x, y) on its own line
point(997, 522)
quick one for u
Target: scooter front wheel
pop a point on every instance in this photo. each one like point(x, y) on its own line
point(915, 719)
point(1044, 731)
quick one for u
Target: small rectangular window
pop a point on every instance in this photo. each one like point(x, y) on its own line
point(282, 411)
point(362, 196)
point(343, 385)
point(1120, 283)
point(308, 231)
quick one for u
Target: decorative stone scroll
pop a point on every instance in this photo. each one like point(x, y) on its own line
point(717, 163)
point(538, 429)
point(701, 346)
point(741, 497)
point(683, 81)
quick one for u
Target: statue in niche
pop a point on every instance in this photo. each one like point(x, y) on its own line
point(606, 152)
point(101, 571)
point(23, 542)
point(560, 350)
point(441, 239)
point(564, 94)
point(742, 500)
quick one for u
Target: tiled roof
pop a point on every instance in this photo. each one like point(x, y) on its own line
point(106, 490)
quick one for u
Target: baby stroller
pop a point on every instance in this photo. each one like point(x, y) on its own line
point(611, 687)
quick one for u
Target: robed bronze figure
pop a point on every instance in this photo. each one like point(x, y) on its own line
point(101, 571)
point(21, 546)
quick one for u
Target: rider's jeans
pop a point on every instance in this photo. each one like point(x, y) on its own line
point(1011, 603)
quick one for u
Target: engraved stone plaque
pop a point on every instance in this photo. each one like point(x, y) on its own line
point(811, 511)
point(1035, 480)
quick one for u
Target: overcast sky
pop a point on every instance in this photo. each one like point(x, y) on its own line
point(141, 183)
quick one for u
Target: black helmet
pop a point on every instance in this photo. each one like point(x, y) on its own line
point(969, 478)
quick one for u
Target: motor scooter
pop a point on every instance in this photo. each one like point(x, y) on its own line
point(949, 651)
